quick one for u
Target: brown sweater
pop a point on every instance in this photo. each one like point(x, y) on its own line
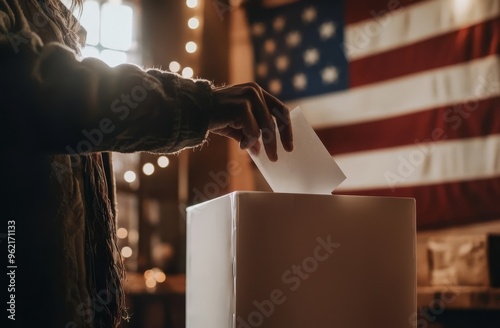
point(59, 118)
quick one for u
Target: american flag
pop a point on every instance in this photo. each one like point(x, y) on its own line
point(404, 94)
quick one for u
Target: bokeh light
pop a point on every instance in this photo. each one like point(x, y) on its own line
point(163, 161)
point(148, 169)
point(174, 66)
point(191, 47)
point(193, 23)
point(129, 176)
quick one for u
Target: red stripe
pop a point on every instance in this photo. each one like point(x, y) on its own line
point(359, 10)
point(452, 48)
point(448, 204)
point(468, 120)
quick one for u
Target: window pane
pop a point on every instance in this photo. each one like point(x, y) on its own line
point(116, 26)
point(113, 58)
point(66, 3)
point(90, 21)
point(89, 51)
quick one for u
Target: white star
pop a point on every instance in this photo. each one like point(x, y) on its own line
point(309, 14)
point(300, 81)
point(282, 63)
point(330, 74)
point(258, 29)
point(261, 70)
point(275, 86)
point(311, 56)
point(293, 39)
point(269, 46)
point(279, 23)
point(327, 30)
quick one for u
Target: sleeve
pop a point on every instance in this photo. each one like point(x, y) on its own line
point(54, 102)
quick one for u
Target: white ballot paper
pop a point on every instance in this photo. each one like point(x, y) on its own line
point(308, 169)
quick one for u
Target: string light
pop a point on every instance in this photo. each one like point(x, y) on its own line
point(160, 276)
point(148, 169)
point(193, 23)
point(163, 161)
point(174, 66)
point(148, 274)
point(191, 3)
point(191, 47)
point(122, 233)
point(126, 252)
point(129, 176)
point(187, 72)
point(150, 283)
point(154, 276)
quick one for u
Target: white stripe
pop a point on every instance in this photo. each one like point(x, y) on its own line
point(421, 164)
point(471, 81)
point(416, 23)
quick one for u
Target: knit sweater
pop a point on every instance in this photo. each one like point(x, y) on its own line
point(60, 117)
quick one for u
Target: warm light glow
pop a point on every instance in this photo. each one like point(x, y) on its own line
point(235, 3)
point(149, 274)
point(89, 51)
point(129, 176)
point(113, 58)
point(90, 20)
point(148, 169)
point(160, 276)
point(191, 47)
point(193, 23)
point(163, 161)
point(150, 283)
point(117, 22)
point(191, 3)
point(133, 236)
point(174, 66)
point(462, 9)
point(126, 252)
point(187, 72)
point(122, 233)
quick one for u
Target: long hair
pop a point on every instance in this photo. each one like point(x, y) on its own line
point(65, 20)
point(104, 271)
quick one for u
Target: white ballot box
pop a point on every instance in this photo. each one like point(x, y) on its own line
point(276, 260)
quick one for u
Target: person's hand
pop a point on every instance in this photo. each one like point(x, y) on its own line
point(244, 111)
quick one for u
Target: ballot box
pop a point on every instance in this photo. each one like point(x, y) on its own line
point(275, 260)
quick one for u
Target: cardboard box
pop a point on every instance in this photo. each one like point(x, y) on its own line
point(275, 260)
point(472, 260)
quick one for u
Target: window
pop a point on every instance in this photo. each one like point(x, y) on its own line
point(112, 30)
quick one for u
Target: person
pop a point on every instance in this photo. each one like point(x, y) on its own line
point(61, 118)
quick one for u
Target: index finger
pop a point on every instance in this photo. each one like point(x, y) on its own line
point(282, 114)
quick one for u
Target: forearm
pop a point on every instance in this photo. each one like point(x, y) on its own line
point(83, 106)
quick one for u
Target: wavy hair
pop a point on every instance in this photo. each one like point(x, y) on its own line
point(104, 273)
point(65, 20)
